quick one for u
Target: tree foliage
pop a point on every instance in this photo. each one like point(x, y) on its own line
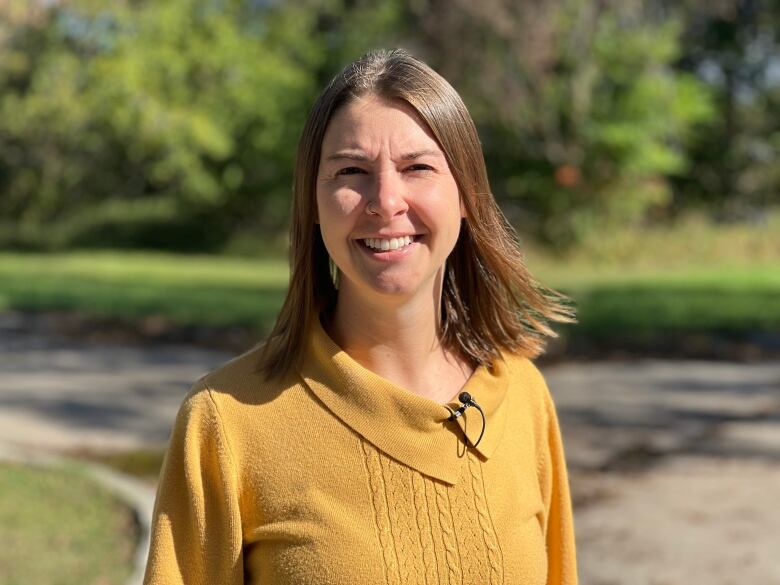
point(180, 111)
point(174, 123)
point(733, 46)
point(581, 110)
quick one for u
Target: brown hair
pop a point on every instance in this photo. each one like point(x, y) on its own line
point(490, 301)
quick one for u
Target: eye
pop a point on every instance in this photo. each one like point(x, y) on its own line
point(350, 171)
point(419, 167)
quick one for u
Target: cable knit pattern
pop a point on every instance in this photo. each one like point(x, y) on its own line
point(451, 552)
point(399, 498)
point(401, 516)
point(379, 501)
point(468, 529)
point(425, 530)
point(442, 566)
point(483, 515)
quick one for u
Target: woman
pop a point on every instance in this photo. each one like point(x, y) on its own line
point(342, 450)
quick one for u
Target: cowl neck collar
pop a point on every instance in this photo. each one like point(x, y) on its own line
point(409, 428)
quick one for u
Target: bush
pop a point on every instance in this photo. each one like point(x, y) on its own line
point(145, 223)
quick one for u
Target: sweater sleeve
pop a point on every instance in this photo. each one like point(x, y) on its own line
point(196, 533)
point(559, 529)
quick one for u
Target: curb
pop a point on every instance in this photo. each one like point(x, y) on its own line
point(138, 496)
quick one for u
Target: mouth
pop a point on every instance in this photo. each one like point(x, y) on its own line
point(388, 244)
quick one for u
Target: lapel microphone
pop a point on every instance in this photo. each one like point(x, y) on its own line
point(466, 400)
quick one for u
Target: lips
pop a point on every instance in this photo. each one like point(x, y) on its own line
point(374, 247)
point(386, 244)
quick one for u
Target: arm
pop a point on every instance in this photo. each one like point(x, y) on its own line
point(559, 528)
point(196, 529)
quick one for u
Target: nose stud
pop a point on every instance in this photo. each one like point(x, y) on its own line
point(370, 209)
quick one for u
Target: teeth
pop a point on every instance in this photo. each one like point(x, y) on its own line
point(388, 244)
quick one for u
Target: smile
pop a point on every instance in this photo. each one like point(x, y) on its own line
point(387, 244)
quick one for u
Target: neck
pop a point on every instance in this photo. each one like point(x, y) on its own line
point(400, 342)
point(373, 332)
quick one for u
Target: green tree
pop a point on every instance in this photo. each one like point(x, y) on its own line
point(582, 114)
point(174, 123)
point(732, 46)
point(177, 113)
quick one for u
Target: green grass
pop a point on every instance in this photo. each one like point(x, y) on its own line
point(690, 277)
point(657, 290)
point(726, 300)
point(59, 528)
point(127, 285)
point(144, 464)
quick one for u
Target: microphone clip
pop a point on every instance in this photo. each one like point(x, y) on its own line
point(466, 400)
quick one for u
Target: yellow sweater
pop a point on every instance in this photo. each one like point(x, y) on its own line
point(336, 476)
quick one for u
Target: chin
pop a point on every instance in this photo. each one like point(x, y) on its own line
point(395, 287)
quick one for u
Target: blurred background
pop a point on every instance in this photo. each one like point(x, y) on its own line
point(146, 153)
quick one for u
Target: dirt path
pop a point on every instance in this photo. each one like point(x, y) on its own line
point(675, 466)
point(675, 470)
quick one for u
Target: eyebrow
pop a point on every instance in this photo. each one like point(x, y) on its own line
point(357, 155)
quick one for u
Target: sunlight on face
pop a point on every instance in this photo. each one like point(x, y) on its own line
point(388, 206)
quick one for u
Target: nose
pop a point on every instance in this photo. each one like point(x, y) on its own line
point(389, 195)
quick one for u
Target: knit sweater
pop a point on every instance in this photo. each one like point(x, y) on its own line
point(335, 475)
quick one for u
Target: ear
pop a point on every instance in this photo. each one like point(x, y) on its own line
point(462, 208)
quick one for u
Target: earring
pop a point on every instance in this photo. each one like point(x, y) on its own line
point(334, 273)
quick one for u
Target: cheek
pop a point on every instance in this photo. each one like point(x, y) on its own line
point(442, 210)
point(336, 211)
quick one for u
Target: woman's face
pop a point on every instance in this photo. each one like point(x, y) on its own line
point(380, 156)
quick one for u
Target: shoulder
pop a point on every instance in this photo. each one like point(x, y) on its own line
point(235, 409)
point(523, 372)
point(236, 390)
point(241, 379)
point(527, 383)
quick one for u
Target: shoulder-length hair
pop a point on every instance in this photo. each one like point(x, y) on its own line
point(490, 301)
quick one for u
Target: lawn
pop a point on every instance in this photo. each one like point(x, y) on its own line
point(59, 528)
point(731, 301)
point(613, 300)
point(188, 289)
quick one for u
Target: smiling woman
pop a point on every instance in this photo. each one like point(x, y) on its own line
point(383, 181)
point(392, 429)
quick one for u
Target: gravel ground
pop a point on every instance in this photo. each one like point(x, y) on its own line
point(675, 465)
point(675, 470)
point(686, 521)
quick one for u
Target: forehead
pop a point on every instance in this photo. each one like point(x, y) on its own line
point(371, 122)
